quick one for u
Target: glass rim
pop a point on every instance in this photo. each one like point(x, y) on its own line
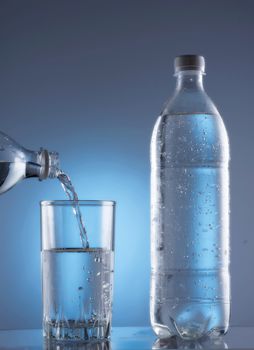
point(82, 202)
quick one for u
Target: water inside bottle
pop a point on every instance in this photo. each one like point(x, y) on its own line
point(190, 290)
point(10, 174)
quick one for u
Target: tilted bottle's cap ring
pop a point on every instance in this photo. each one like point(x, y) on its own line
point(44, 173)
point(49, 164)
point(189, 62)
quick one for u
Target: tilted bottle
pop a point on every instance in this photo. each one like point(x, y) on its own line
point(17, 163)
point(190, 280)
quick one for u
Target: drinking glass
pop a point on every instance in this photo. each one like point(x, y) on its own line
point(77, 281)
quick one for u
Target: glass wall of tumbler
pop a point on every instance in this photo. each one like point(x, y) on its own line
point(77, 280)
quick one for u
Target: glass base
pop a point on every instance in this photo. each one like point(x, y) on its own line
point(76, 331)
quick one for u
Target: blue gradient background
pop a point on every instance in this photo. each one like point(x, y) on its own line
point(88, 78)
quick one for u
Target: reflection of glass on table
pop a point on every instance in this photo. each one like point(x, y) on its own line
point(100, 345)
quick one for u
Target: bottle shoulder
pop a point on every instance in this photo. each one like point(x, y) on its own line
point(191, 102)
point(10, 150)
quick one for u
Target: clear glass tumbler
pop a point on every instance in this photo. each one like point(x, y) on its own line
point(77, 281)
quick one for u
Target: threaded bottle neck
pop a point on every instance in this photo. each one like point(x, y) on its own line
point(49, 164)
point(189, 80)
point(42, 164)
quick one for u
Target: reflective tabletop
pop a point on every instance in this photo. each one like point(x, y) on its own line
point(127, 338)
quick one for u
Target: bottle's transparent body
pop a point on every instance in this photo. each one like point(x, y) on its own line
point(17, 163)
point(190, 283)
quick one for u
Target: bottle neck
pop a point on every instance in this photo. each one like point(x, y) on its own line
point(189, 96)
point(189, 80)
point(42, 164)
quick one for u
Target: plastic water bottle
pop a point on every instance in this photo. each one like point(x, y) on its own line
point(190, 281)
point(17, 163)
